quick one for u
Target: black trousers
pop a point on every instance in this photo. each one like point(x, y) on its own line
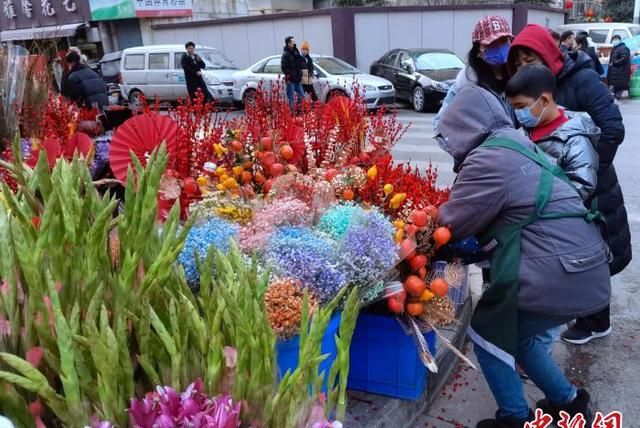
point(308, 89)
point(599, 322)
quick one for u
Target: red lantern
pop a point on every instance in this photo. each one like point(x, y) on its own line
point(568, 4)
point(589, 13)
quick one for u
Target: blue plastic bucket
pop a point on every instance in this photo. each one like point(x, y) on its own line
point(288, 351)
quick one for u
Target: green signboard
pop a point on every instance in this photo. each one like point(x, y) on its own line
point(103, 10)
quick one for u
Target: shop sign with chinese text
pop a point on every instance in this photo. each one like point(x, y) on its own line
point(18, 14)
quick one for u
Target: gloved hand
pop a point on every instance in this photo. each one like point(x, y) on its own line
point(468, 251)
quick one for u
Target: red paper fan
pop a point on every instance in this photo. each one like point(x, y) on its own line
point(53, 148)
point(79, 142)
point(141, 134)
point(295, 138)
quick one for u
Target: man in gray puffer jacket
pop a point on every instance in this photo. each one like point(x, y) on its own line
point(551, 268)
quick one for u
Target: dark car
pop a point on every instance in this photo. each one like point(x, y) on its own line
point(420, 76)
point(110, 67)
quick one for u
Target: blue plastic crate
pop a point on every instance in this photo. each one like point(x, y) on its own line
point(385, 360)
point(288, 352)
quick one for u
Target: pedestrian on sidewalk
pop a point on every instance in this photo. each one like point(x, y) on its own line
point(545, 269)
point(486, 67)
point(307, 71)
point(582, 44)
point(193, 65)
point(619, 71)
point(291, 64)
point(567, 41)
point(486, 64)
point(579, 89)
point(83, 85)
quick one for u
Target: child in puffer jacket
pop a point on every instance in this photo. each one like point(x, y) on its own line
point(568, 138)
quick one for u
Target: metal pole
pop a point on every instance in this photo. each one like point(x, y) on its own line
point(636, 12)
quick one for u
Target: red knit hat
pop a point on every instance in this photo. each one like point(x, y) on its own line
point(490, 29)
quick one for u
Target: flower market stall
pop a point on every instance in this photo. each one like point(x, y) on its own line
point(233, 278)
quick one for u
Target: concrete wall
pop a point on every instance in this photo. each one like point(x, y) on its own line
point(545, 19)
point(356, 35)
point(376, 33)
point(247, 42)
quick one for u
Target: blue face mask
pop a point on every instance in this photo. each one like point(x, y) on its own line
point(497, 55)
point(528, 119)
point(616, 42)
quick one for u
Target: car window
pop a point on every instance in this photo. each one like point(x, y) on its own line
point(599, 36)
point(159, 61)
point(391, 59)
point(622, 33)
point(634, 30)
point(215, 60)
point(110, 68)
point(177, 60)
point(405, 60)
point(437, 61)
point(258, 68)
point(335, 66)
point(272, 66)
point(134, 62)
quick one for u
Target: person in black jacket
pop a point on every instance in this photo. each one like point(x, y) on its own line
point(582, 44)
point(307, 71)
point(83, 85)
point(580, 89)
point(619, 72)
point(193, 65)
point(567, 41)
point(291, 64)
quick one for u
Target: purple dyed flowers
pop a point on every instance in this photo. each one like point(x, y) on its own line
point(368, 251)
point(299, 253)
point(165, 408)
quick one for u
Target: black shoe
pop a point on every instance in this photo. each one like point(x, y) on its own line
point(504, 422)
point(578, 336)
point(580, 405)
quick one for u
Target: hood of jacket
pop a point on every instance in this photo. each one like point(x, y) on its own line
point(573, 62)
point(472, 116)
point(579, 124)
point(539, 40)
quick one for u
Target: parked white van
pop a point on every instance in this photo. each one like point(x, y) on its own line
point(602, 32)
point(156, 72)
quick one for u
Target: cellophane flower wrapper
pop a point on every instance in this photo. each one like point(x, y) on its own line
point(214, 232)
point(100, 160)
point(286, 211)
point(366, 247)
point(300, 253)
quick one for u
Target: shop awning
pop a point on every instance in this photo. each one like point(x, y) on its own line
point(50, 32)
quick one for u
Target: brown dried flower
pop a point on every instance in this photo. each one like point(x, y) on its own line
point(284, 300)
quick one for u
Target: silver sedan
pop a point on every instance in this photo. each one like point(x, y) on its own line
point(333, 77)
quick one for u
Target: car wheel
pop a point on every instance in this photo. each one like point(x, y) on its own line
point(249, 97)
point(418, 99)
point(136, 99)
